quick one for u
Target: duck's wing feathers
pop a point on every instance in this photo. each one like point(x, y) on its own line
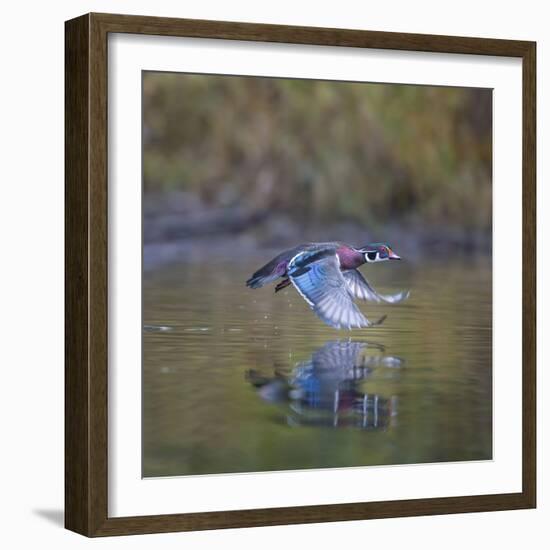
point(317, 277)
point(335, 356)
point(362, 289)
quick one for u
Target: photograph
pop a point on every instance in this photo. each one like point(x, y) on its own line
point(316, 274)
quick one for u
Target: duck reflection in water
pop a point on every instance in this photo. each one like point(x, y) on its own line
point(329, 388)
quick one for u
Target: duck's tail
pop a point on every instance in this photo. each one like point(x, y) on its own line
point(266, 274)
point(255, 282)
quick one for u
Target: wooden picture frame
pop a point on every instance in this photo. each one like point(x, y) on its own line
point(86, 218)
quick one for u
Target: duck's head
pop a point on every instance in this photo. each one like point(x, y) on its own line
point(378, 252)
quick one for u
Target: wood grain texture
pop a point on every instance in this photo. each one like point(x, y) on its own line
point(310, 514)
point(77, 153)
point(98, 285)
point(86, 257)
point(529, 199)
point(164, 26)
point(86, 276)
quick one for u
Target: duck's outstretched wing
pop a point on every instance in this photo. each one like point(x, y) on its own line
point(362, 289)
point(318, 279)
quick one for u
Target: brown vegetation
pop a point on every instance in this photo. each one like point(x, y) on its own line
point(322, 150)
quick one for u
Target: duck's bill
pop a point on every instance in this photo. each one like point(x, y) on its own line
point(393, 256)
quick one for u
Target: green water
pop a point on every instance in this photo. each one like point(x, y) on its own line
point(243, 380)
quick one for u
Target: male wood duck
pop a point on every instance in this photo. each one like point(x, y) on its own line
point(326, 276)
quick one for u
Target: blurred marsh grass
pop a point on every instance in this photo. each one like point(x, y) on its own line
point(320, 151)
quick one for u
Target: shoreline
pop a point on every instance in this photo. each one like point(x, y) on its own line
point(181, 226)
point(260, 240)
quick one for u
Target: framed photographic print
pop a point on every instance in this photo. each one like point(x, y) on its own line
point(300, 274)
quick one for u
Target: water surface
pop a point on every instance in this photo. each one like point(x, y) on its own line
point(241, 380)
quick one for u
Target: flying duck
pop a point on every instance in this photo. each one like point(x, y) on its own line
point(327, 278)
